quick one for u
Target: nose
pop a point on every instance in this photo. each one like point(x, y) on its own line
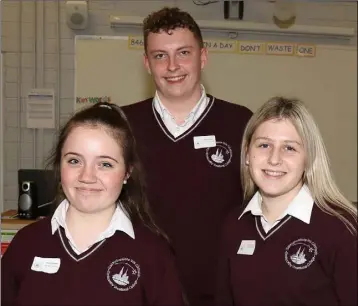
point(173, 63)
point(275, 157)
point(88, 175)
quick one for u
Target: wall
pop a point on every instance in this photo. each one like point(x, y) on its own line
point(1, 137)
point(38, 51)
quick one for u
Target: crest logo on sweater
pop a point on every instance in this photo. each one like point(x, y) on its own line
point(220, 155)
point(123, 274)
point(301, 253)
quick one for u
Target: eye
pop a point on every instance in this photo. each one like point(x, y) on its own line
point(106, 165)
point(264, 145)
point(159, 56)
point(185, 52)
point(290, 148)
point(73, 161)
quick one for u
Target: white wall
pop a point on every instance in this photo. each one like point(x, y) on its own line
point(39, 52)
point(1, 132)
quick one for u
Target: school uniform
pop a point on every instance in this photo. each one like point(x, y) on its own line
point(308, 257)
point(127, 265)
point(191, 183)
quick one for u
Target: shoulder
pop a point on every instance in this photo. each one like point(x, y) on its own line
point(150, 240)
point(230, 106)
point(33, 233)
point(138, 113)
point(332, 226)
point(232, 109)
point(232, 221)
point(136, 108)
point(39, 227)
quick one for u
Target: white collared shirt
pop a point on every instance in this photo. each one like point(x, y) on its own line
point(119, 222)
point(300, 208)
point(169, 121)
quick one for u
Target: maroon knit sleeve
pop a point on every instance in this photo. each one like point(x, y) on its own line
point(163, 287)
point(345, 269)
point(223, 294)
point(10, 265)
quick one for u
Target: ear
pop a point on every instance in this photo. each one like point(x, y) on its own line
point(203, 57)
point(146, 63)
point(128, 174)
point(247, 158)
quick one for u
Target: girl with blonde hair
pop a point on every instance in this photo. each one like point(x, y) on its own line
point(295, 242)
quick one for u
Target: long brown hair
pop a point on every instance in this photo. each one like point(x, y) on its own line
point(109, 116)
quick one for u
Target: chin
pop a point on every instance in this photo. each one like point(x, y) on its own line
point(274, 192)
point(176, 93)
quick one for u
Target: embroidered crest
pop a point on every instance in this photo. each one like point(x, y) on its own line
point(123, 274)
point(220, 155)
point(301, 253)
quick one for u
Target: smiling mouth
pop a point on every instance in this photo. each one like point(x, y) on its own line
point(176, 79)
point(88, 190)
point(274, 174)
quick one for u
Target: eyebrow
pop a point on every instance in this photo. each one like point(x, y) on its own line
point(164, 51)
point(285, 141)
point(100, 156)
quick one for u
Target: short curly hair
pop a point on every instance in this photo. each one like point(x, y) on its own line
point(167, 19)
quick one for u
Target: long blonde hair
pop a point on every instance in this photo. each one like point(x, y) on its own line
point(317, 175)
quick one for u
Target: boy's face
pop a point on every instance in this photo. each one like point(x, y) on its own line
point(175, 61)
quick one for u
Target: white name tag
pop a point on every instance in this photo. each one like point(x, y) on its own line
point(46, 265)
point(204, 142)
point(247, 247)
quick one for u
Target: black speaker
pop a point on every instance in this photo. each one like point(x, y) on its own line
point(27, 206)
point(46, 188)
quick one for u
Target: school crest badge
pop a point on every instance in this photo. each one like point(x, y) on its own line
point(301, 253)
point(123, 274)
point(220, 155)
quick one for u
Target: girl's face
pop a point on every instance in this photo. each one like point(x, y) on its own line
point(92, 169)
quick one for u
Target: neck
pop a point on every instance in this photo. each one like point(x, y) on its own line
point(86, 227)
point(273, 207)
point(180, 107)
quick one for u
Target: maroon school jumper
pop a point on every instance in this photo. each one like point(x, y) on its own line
point(116, 271)
point(294, 263)
point(192, 190)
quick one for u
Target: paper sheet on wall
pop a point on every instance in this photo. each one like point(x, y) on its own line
point(40, 110)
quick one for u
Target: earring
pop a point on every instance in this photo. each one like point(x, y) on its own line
point(124, 182)
point(247, 162)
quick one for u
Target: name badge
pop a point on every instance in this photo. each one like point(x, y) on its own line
point(46, 265)
point(247, 247)
point(204, 141)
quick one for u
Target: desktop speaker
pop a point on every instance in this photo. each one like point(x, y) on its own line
point(27, 205)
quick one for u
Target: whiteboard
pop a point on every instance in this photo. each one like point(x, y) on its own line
point(327, 83)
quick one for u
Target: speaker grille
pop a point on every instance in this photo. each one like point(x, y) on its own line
point(25, 202)
point(77, 18)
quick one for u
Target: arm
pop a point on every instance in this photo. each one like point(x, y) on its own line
point(223, 294)
point(164, 287)
point(9, 277)
point(345, 269)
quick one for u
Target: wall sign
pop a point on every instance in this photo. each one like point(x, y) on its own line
point(244, 47)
